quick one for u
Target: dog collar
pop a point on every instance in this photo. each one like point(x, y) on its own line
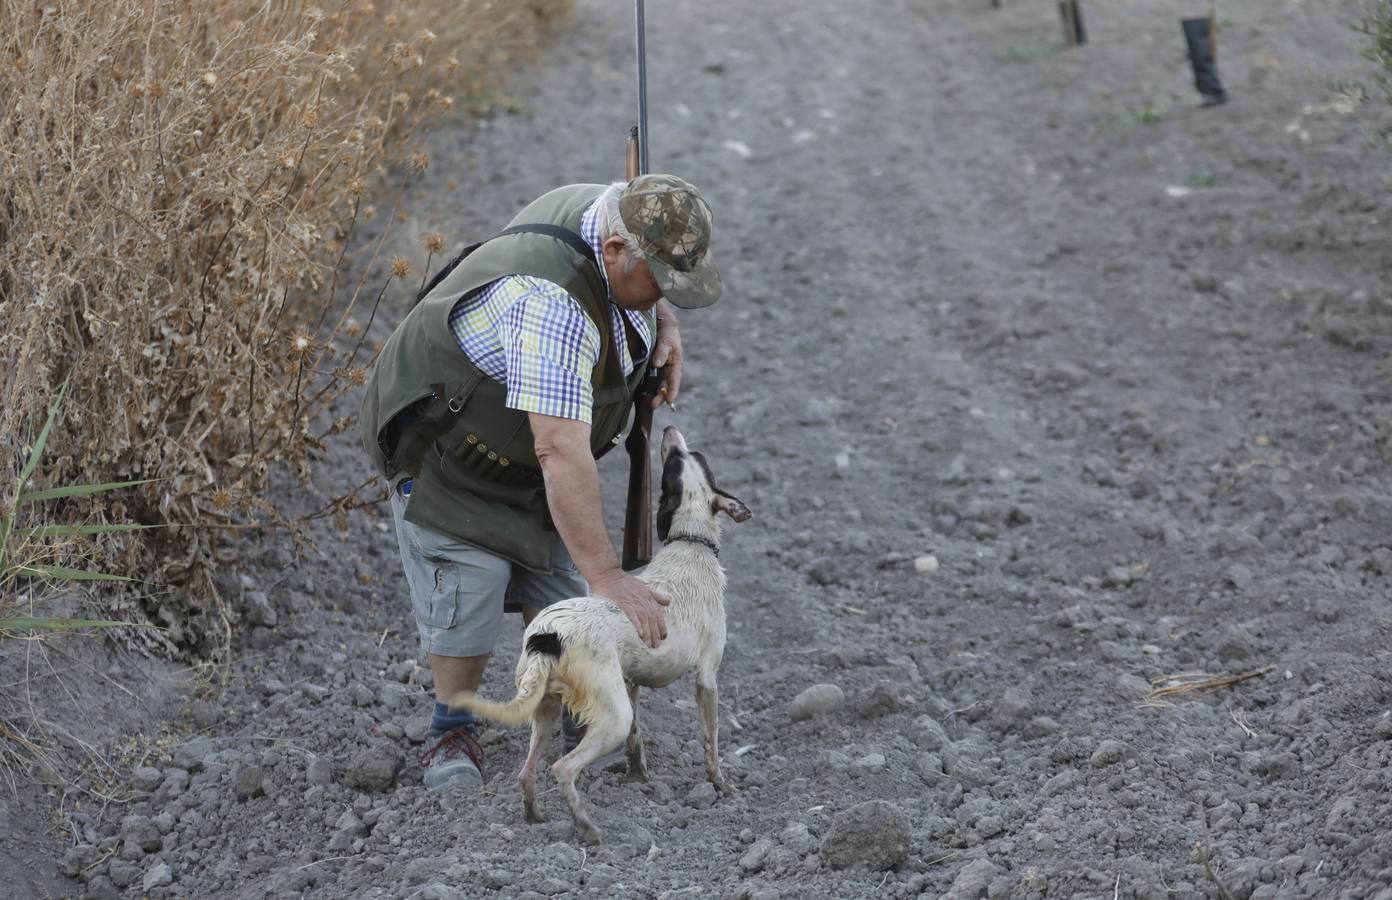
point(691, 538)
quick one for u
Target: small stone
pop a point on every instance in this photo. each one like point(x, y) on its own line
point(497, 878)
point(259, 610)
point(122, 872)
point(882, 701)
point(702, 796)
point(374, 768)
point(874, 834)
point(1239, 576)
point(1281, 765)
point(754, 858)
point(146, 779)
point(204, 714)
point(319, 770)
point(973, 881)
point(871, 762)
point(350, 824)
point(76, 859)
point(1327, 610)
point(416, 730)
point(798, 838)
point(928, 734)
point(926, 565)
point(139, 831)
point(1041, 726)
point(1011, 710)
point(160, 876)
point(1383, 729)
point(1109, 753)
point(817, 700)
point(247, 782)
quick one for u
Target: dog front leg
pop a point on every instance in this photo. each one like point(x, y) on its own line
point(633, 749)
point(708, 701)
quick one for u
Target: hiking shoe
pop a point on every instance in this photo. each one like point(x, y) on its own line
point(454, 759)
point(574, 733)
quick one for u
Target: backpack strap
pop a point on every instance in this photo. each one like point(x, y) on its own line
point(565, 235)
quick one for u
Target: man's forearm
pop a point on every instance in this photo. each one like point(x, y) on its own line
point(572, 491)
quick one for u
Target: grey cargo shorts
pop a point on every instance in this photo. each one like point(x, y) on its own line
point(459, 590)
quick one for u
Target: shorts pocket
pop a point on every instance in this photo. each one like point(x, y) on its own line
point(438, 607)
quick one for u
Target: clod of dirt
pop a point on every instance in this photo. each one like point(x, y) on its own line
point(874, 834)
point(139, 831)
point(817, 700)
point(160, 876)
point(374, 768)
point(973, 881)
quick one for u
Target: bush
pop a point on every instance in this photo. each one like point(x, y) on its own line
point(179, 181)
point(1377, 24)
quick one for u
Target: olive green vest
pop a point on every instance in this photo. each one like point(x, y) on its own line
point(473, 460)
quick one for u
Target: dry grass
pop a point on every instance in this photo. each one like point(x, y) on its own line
point(1165, 687)
point(179, 182)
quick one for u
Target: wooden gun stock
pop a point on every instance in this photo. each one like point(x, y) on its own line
point(637, 532)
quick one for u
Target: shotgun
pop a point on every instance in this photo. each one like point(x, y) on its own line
point(637, 529)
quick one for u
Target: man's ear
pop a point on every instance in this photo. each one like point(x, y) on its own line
point(613, 250)
point(731, 506)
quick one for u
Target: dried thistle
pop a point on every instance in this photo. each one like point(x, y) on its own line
point(434, 242)
point(356, 186)
point(222, 499)
point(420, 162)
point(301, 342)
point(400, 267)
point(210, 79)
point(157, 90)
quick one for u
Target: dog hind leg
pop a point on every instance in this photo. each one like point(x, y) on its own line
point(707, 699)
point(633, 749)
point(608, 722)
point(543, 725)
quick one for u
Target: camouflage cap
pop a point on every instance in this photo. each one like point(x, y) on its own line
point(672, 225)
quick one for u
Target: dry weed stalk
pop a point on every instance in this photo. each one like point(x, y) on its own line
point(1164, 687)
point(180, 183)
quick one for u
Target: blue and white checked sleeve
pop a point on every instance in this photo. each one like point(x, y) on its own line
point(550, 348)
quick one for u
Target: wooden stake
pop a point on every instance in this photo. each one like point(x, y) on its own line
point(1072, 16)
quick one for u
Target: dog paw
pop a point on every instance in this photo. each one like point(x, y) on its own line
point(639, 774)
point(725, 787)
point(587, 833)
point(533, 817)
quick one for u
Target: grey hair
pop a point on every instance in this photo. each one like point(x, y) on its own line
point(611, 225)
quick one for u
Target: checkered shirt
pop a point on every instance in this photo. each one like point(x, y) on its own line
point(536, 340)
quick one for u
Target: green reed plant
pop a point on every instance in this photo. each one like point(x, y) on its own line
point(27, 554)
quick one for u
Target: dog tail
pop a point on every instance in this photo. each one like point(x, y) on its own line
point(543, 652)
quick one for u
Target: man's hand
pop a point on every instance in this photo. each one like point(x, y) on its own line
point(642, 606)
point(667, 355)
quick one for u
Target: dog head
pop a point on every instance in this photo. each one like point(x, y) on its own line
point(689, 492)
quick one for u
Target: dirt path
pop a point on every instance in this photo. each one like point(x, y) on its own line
point(967, 318)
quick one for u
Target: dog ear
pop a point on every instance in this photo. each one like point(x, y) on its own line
point(731, 506)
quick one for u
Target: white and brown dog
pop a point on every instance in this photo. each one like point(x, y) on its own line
point(584, 653)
